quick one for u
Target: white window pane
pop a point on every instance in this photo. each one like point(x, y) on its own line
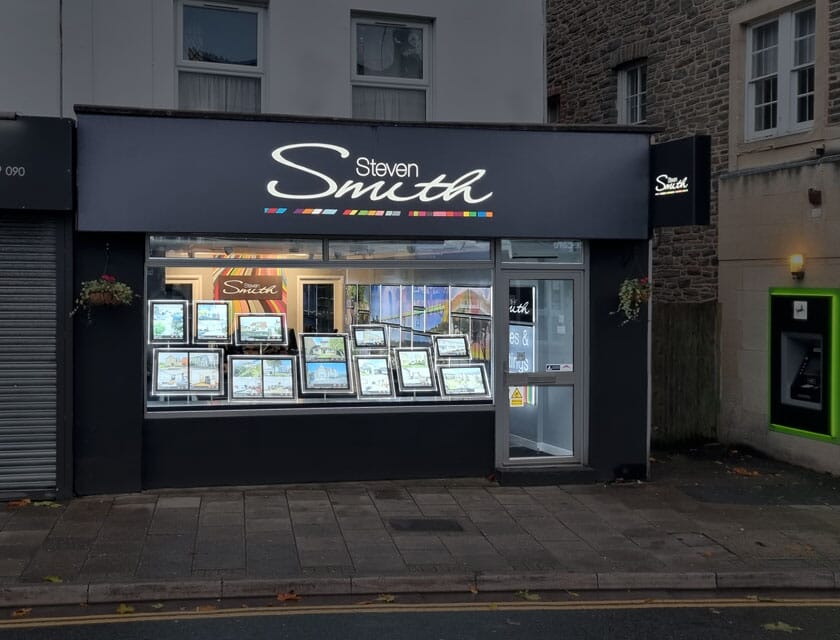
point(805, 95)
point(389, 51)
point(766, 36)
point(212, 92)
point(806, 22)
point(381, 103)
point(221, 36)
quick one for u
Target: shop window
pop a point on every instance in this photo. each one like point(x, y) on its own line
point(390, 69)
point(556, 251)
point(780, 73)
point(220, 64)
point(632, 94)
point(236, 323)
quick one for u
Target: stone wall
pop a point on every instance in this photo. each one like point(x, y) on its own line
point(686, 46)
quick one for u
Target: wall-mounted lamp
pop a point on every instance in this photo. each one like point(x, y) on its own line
point(797, 266)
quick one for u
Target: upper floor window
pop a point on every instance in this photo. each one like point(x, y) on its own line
point(632, 94)
point(780, 74)
point(390, 69)
point(220, 62)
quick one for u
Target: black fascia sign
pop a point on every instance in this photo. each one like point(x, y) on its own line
point(680, 182)
point(36, 163)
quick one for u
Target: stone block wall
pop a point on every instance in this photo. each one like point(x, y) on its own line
point(686, 46)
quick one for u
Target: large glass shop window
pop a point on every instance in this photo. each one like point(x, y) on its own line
point(237, 323)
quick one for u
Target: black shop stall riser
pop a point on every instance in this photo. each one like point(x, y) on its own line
point(332, 233)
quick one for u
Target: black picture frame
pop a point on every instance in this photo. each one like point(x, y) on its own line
point(369, 336)
point(248, 330)
point(211, 320)
point(325, 364)
point(451, 346)
point(373, 376)
point(415, 373)
point(262, 378)
point(466, 380)
point(168, 322)
point(187, 372)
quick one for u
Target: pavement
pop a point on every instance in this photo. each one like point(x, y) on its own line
point(710, 518)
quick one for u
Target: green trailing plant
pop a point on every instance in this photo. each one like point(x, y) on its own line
point(106, 290)
point(632, 294)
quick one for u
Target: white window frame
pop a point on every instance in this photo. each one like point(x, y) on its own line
point(785, 79)
point(216, 68)
point(389, 82)
point(623, 96)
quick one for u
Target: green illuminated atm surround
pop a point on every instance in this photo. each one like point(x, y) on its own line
point(832, 369)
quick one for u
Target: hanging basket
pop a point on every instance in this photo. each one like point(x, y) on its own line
point(102, 298)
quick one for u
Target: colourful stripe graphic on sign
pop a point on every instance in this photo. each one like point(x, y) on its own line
point(379, 212)
point(450, 214)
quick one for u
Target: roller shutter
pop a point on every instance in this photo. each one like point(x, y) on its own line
point(28, 379)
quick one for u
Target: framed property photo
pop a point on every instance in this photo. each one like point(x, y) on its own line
point(261, 328)
point(212, 322)
point(168, 322)
point(326, 377)
point(467, 380)
point(325, 365)
point(205, 371)
point(187, 372)
point(451, 346)
point(324, 347)
point(414, 370)
point(262, 377)
point(373, 376)
point(369, 336)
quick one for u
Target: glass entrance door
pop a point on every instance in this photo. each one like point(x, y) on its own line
point(539, 403)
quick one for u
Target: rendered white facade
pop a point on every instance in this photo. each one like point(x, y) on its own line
point(487, 56)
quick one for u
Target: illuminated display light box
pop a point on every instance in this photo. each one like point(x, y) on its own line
point(463, 381)
point(369, 336)
point(325, 367)
point(373, 376)
point(261, 328)
point(451, 346)
point(187, 372)
point(212, 322)
point(414, 371)
point(167, 322)
point(269, 378)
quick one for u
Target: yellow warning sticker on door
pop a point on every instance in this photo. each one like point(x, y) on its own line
point(517, 397)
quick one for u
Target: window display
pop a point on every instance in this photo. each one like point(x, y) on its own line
point(244, 301)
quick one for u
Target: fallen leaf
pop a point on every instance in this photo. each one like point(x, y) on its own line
point(206, 607)
point(385, 597)
point(708, 554)
point(53, 579)
point(125, 608)
point(21, 613)
point(715, 611)
point(573, 593)
point(472, 588)
point(526, 595)
point(513, 622)
point(743, 471)
point(46, 503)
point(493, 606)
point(156, 605)
point(288, 596)
point(780, 626)
point(17, 504)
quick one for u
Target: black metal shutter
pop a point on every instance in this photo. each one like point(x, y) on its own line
point(28, 380)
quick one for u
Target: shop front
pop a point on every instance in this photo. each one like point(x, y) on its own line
point(322, 300)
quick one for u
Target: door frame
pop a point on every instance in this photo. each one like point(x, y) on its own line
point(576, 379)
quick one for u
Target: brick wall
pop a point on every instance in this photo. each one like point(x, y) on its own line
point(686, 45)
